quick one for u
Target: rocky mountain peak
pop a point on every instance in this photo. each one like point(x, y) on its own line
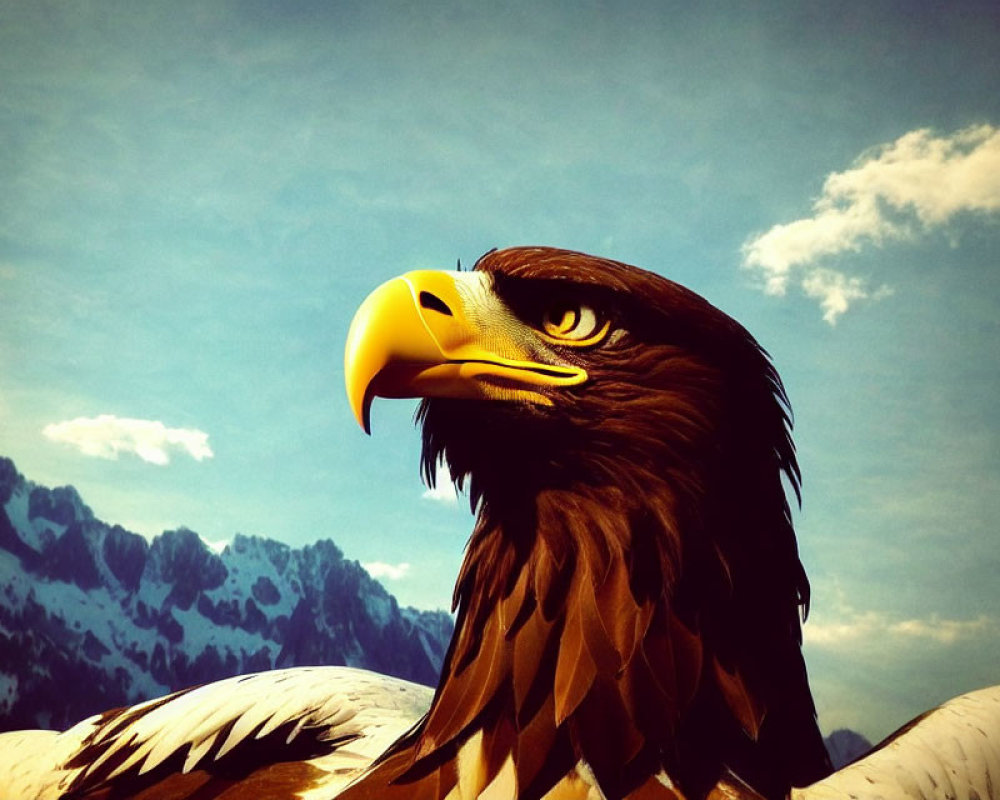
point(93, 616)
point(61, 505)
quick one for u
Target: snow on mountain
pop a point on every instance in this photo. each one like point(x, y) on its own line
point(93, 616)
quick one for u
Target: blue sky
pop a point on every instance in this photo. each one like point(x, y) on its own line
point(197, 197)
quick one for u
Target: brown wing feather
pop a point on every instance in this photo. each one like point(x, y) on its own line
point(467, 693)
point(536, 650)
point(745, 707)
point(575, 667)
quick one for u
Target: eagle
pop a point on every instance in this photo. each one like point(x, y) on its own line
point(632, 593)
point(628, 616)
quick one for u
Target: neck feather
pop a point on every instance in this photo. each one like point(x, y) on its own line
point(641, 622)
point(567, 646)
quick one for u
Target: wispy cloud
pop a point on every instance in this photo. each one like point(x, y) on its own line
point(893, 192)
point(872, 625)
point(444, 492)
point(107, 436)
point(392, 572)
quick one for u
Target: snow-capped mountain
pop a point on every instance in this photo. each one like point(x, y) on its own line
point(93, 616)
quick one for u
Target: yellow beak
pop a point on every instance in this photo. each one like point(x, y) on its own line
point(445, 334)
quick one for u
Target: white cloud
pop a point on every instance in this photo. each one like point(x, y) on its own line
point(392, 572)
point(835, 291)
point(875, 626)
point(106, 436)
point(444, 492)
point(894, 192)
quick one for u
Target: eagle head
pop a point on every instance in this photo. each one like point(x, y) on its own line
point(574, 364)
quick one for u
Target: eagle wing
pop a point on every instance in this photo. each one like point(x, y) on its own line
point(330, 722)
point(950, 752)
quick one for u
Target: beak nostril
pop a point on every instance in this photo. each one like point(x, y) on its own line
point(435, 303)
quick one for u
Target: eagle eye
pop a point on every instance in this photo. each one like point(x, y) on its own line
point(574, 324)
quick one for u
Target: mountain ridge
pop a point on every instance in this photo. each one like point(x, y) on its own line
point(94, 616)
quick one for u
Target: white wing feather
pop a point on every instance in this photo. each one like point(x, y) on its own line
point(951, 753)
point(364, 710)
